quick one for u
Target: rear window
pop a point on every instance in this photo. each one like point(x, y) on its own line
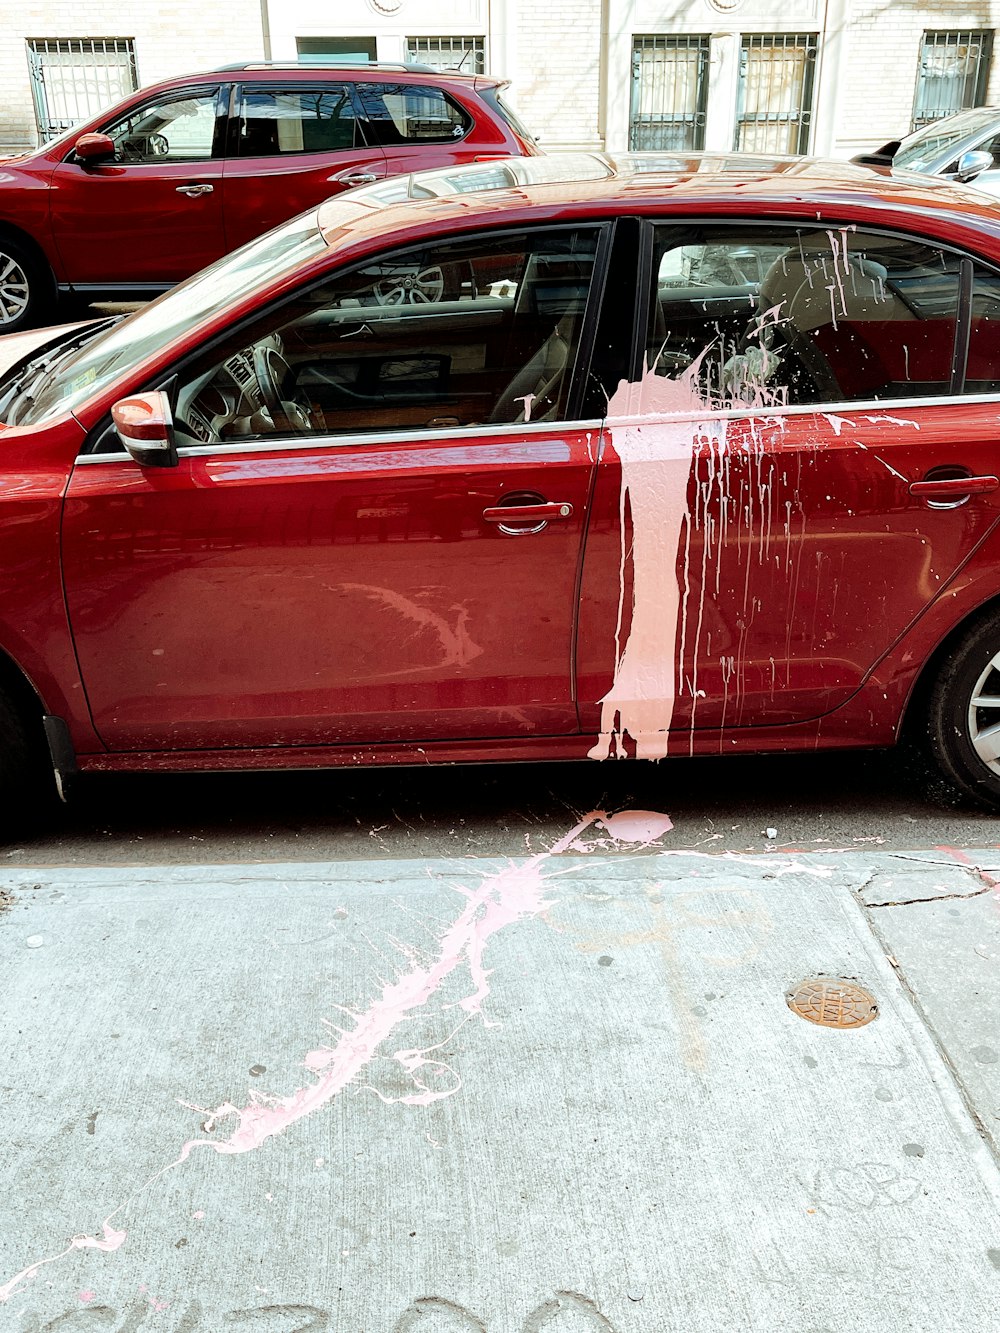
point(274, 121)
point(494, 97)
point(411, 113)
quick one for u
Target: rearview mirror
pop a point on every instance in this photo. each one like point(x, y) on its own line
point(973, 164)
point(93, 148)
point(145, 427)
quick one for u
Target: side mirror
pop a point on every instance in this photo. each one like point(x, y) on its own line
point(973, 164)
point(144, 426)
point(93, 148)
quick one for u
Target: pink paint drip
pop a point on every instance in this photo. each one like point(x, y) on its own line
point(502, 899)
point(656, 460)
point(111, 1241)
point(659, 459)
point(85, 1297)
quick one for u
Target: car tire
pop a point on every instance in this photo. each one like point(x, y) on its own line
point(26, 288)
point(27, 786)
point(961, 721)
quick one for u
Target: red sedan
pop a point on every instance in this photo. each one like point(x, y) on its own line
point(554, 458)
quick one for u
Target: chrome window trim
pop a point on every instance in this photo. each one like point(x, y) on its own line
point(379, 440)
point(872, 406)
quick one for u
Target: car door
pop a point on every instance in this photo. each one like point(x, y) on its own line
point(378, 538)
point(291, 147)
point(153, 215)
point(798, 482)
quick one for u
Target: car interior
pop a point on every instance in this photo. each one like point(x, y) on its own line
point(420, 342)
point(832, 317)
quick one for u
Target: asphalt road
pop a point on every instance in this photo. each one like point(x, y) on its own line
point(855, 801)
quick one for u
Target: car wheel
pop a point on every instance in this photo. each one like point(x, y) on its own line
point(25, 288)
point(963, 720)
point(407, 284)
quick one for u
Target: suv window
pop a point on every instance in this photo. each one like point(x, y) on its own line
point(273, 121)
point(180, 128)
point(784, 315)
point(412, 113)
point(445, 337)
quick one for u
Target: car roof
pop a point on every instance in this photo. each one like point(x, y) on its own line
point(373, 70)
point(596, 184)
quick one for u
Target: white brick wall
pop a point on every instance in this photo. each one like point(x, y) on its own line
point(169, 40)
point(879, 68)
point(570, 79)
point(557, 72)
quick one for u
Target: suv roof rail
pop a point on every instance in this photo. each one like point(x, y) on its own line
point(330, 63)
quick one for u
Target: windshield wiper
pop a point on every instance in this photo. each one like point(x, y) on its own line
point(17, 388)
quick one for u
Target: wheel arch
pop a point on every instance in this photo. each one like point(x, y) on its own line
point(13, 232)
point(931, 669)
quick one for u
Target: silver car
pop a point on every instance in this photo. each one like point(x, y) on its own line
point(964, 147)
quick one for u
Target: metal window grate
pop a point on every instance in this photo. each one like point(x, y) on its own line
point(465, 53)
point(775, 93)
point(669, 93)
point(74, 78)
point(952, 74)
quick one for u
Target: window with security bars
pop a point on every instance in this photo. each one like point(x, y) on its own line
point(74, 78)
point(775, 92)
point(465, 53)
point(952, 74)
point(669, 93)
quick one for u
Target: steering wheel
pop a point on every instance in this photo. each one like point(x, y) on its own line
point(273, 372)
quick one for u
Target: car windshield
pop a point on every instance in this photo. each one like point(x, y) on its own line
point(89, 368)
point(920, 150)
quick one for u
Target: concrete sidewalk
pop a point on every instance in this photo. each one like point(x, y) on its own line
point(566, 1096)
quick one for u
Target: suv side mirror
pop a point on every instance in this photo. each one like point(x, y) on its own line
point(145, 427)
point(973, 164)
point(93, 148)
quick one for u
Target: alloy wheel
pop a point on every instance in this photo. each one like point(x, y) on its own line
point(984, 715)
point(411, 287)
point(14, 292)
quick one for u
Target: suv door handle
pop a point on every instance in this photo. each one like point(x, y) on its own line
point(948, 488)
point(354, 178)
point(193, 191)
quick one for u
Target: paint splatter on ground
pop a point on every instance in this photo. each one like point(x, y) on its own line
point(515, 893)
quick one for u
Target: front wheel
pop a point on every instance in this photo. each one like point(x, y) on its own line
point(27, 787)
point(963, 721)
point(25, 288)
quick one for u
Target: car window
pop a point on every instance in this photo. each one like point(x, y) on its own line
point(788, 315)
point(445, 337)
point(982, 373)
point(126, 344)
point(273, 121)
point(176, 129)
point(401, 113)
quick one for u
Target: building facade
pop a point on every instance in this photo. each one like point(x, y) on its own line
point(822, 76)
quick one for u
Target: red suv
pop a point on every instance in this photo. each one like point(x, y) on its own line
point(180, 173)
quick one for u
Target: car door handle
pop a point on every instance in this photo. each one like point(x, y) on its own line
point(194, 191)
point(946, 488)
point(354, 178)
point(528, 513)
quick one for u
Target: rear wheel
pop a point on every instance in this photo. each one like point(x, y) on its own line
point(25, 287)
point(963, 723)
